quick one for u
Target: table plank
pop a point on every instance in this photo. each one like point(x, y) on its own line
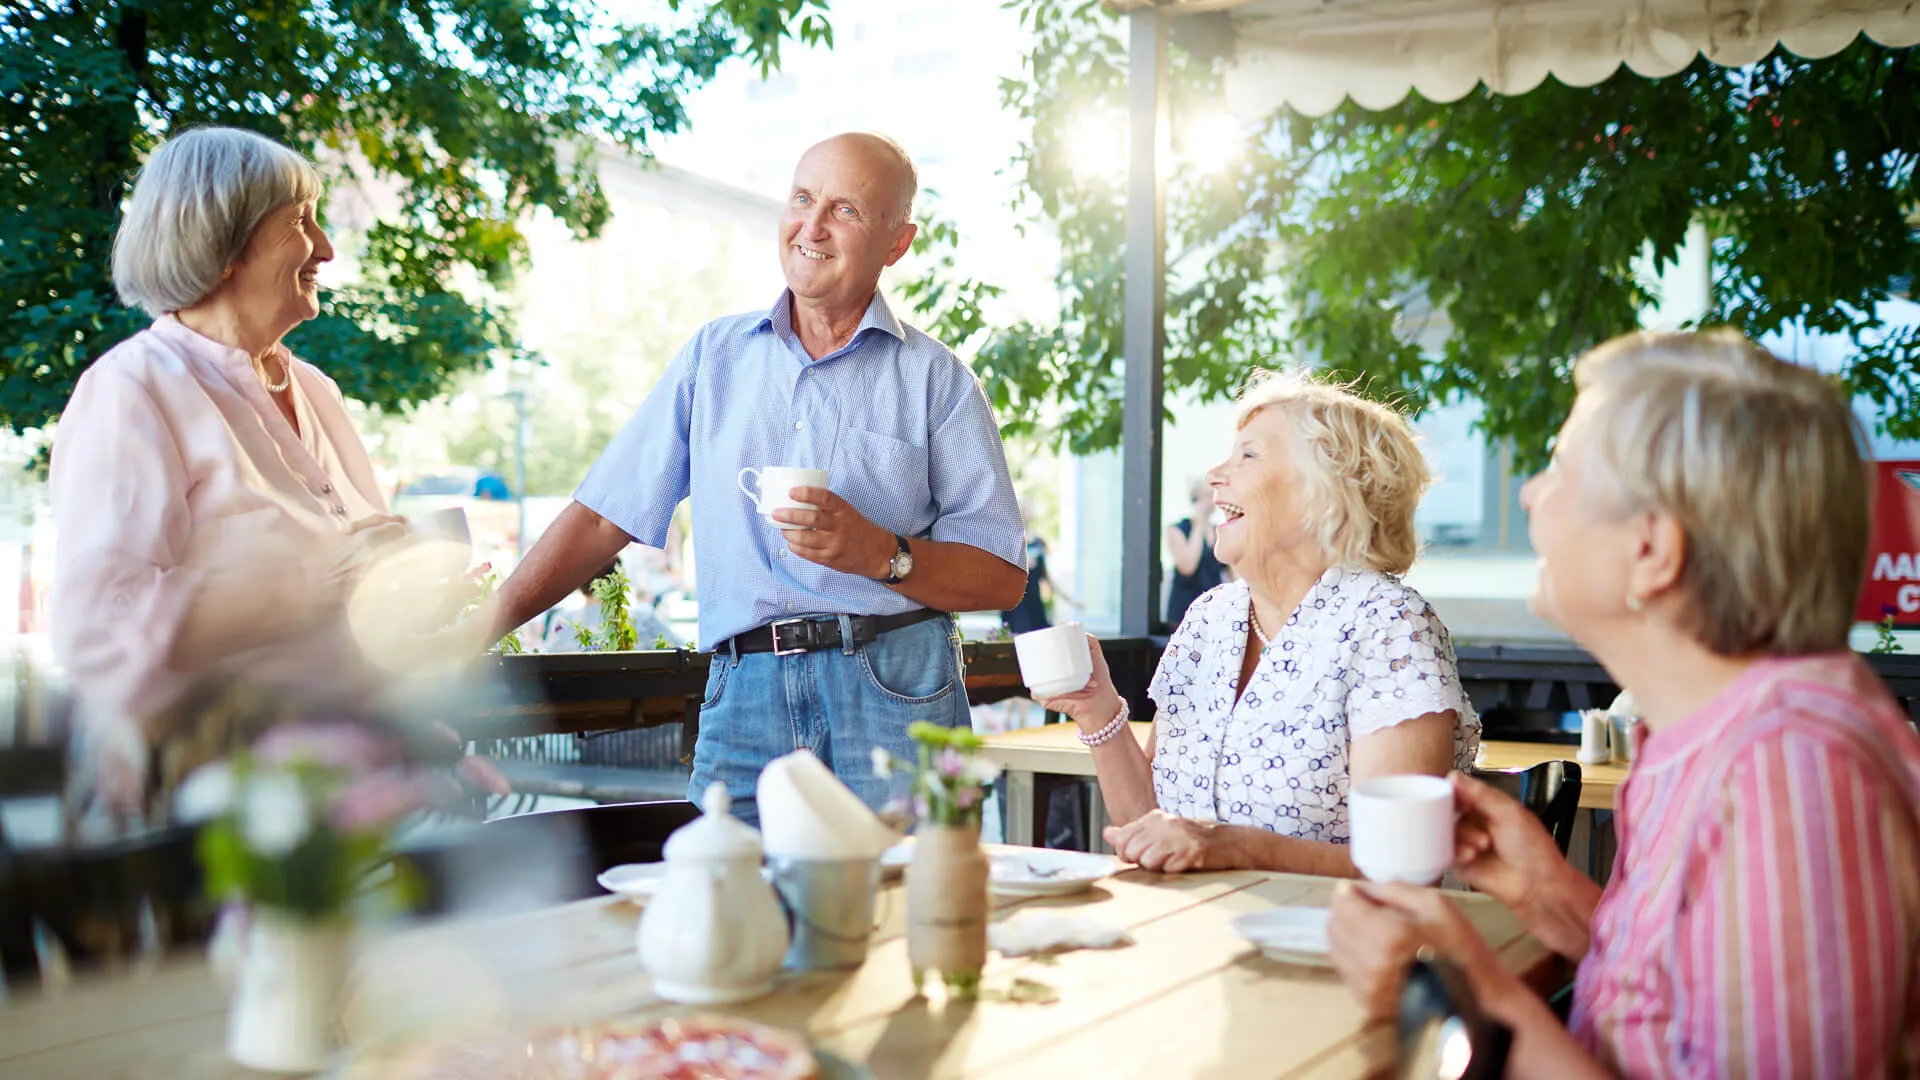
point(1049, 748)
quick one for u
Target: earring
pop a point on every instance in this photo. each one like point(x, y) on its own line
point(227, 273)
point(1635, 604)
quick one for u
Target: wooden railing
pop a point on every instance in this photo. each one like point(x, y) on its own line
point(1519, 691)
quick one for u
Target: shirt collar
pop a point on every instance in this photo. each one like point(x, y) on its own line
point(779, 319)
point(234, 362)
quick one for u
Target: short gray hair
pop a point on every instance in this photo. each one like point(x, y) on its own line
point(195, 204)
point(1759, 461)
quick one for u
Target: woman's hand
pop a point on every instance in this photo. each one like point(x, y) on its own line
point(1377, 929)
point(1500, 848)
point(1094, 705)
point(1166, 844)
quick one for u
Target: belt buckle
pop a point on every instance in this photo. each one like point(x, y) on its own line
point(777, 624)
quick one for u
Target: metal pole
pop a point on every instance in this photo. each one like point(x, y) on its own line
point(1144, 334)
point(520, 467)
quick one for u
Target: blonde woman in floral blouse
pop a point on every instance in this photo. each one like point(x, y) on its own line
point(1315, 669)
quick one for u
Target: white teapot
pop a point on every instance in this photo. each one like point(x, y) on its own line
point(714, 931)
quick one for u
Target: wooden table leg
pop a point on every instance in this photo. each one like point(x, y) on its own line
point(1097, 820)
point(1017, 809)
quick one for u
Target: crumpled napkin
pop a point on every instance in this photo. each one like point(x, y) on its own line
point(1042, 932)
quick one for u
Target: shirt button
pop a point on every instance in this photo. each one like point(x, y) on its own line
point(326, 489)
point(781, 554)
point(797, 425)
point(339, 510)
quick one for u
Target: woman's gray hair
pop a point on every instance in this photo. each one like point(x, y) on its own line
point(1760, 462)
point(195, 204)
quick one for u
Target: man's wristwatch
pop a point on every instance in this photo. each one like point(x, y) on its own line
point(902, 564)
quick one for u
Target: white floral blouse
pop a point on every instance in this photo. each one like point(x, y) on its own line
point(1361, 653)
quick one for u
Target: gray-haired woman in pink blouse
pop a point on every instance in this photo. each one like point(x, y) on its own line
point(209, 489)
point(1316, 668)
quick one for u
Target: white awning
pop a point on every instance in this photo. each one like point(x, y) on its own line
point(1312, 54)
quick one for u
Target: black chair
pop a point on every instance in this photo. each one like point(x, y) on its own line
point(1551, 790)
point(546, 857)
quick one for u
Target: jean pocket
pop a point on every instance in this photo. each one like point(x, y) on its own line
point(718, 669)
point(913, 665)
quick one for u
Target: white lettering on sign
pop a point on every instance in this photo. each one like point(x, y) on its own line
point(1908, 599)
point(1889, 567)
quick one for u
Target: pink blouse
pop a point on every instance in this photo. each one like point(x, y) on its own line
point(1763, 919)
point(171, 465)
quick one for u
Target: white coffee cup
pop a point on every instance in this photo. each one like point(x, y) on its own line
point(776, 482)
point(1054, 661)
point(1402, 828)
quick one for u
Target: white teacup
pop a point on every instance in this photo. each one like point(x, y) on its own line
point(1055, 660)
point(776, 482)
point(1402, 828)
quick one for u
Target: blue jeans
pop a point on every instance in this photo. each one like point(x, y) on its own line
point(838, 703)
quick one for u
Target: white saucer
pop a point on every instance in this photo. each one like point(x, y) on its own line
point(635, 881)
point(1044, 872)
point(1291, 935)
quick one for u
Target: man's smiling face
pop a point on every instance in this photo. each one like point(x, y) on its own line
point(843, 222)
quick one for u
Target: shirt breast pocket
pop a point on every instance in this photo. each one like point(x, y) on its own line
point(884, 478)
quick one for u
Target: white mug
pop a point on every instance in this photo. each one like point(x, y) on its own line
point(775, 482)
point(1055, 660)
point(1402, 828)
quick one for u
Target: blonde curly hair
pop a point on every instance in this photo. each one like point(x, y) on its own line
point(1359, 463)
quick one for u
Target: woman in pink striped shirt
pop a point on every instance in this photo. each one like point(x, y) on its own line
point(1703, 531)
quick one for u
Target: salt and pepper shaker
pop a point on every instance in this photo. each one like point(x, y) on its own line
point(1595, 726)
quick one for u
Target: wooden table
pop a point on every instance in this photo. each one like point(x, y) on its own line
point(1187, 998)
point(1054, 750)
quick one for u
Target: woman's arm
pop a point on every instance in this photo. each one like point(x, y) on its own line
point(1186, 547)
point(1126, 777)
point(1163, 842)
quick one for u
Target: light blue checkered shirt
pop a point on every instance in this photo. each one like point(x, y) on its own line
point(900, 424)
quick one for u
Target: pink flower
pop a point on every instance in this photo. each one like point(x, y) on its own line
point(334, 744)
point(950, 762)
point(966, 797)
point(377, 802)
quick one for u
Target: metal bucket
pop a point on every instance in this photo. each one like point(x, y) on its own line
point(830, 907)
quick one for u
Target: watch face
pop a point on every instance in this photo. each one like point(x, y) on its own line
point(902, 564)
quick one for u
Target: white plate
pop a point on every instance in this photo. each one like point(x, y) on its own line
point(1291, 935)
point(1044, 872)
point(635, 881)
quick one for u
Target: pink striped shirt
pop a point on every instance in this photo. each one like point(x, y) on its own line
point(1763, 918)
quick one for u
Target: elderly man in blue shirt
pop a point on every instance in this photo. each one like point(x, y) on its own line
point(834, 636)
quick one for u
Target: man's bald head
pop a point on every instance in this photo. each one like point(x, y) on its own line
point(880, 157)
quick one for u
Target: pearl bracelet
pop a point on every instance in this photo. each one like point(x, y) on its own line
point(1105, 734)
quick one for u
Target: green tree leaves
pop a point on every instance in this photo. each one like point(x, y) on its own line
point(471, 113)
point(1512, 229)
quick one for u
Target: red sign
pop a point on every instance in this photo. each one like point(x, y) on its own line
point(1893, 557)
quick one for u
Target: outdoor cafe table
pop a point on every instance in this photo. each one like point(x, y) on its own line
point(1189, 997)
point(1052, 750)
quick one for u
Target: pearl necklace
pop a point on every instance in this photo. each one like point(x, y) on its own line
point(286, 374)
point(1254, 616)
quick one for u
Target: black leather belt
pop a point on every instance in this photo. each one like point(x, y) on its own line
point(788, 636)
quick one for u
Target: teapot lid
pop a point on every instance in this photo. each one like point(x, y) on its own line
point(716, 834)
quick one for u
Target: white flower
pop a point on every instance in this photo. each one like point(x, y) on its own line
point(882, 763)
point(274, 817)
point(980, 771)
point(206, 794)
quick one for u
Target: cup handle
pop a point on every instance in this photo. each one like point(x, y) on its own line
point(741, 481)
